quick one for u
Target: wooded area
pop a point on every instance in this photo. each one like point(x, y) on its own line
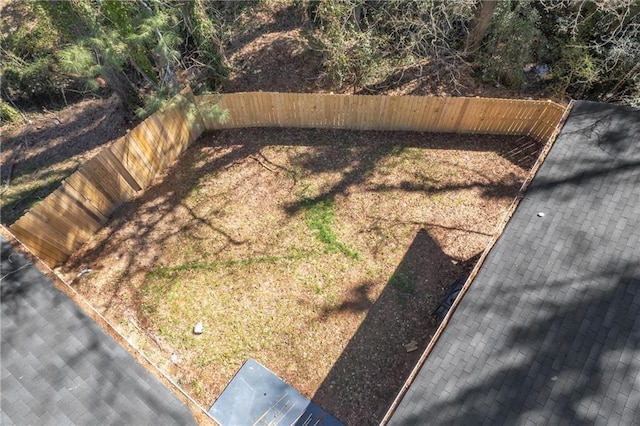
point(145, 51)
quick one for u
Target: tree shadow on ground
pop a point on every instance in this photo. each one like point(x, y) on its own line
point(356, 157)
point(350, 153)
point(163, 197)
point(401, 313)
point(375, 363)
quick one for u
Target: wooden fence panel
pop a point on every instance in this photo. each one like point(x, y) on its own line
point(130, 155)
point(502, 117)
point(415, 113)
point(70, 215)
point(82, 189)
point(518, 118)
point(548, 121)
point(65, 200)
point(159, 140)
point(204, 105)
point(51, 239)
point(60, 220)
point(40, 247)
point(368, 113)
point(147, 139)
point(108, 180)
point(430, 114)
point(106, 156)
point(185, 103)
point(56, 237)
point(414, 117)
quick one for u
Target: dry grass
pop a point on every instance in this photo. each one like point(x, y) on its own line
point(319, 253)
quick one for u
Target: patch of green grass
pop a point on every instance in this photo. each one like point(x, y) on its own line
point(317, 288)
point(402, 282)
point(171, 271)
point(198, 388)
point(320, 215)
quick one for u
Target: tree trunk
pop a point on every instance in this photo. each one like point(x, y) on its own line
point(119, 83)
point(479, 26)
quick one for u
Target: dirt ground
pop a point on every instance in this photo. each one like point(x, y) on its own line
point(225, 239)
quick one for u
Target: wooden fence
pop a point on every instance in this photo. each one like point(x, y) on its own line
point(68, 217)
point(538, 119)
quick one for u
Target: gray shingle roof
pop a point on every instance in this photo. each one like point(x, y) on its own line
point(549, 332)
point(60, 367)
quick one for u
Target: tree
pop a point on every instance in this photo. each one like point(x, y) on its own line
point(367, 43)
point(480, 25)
point(143, 50)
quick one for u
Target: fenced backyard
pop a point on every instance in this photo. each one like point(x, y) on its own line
point(302, 232)
point(67, 218)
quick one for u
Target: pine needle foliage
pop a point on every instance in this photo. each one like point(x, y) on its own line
point(145, 50)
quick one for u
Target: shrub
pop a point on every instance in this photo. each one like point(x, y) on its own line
point(9, 114)
point(510, 44)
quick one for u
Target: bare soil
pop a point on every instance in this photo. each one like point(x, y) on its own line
point(225, 239)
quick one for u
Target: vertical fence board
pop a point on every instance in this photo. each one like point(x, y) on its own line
point(417, 113)
point(66, 200)
point(56, 237)
point(58, 219)
point(103, 176)
point(88, 194)
point(123, 153)
point(52, 211)
point(176, 132)
point(193, 122)
point(160, 140)
point(147, 138)
point(107, 157)
point(469, 117)
point(249, 111)
point(139, 160)
point(517, 118)
point(204, 105)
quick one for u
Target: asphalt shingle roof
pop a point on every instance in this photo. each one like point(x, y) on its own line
point(549, 332)
point(60, 367)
